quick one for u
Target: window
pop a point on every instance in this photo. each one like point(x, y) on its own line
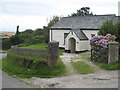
point(65, 35)
point(72, 33)
point(92, 35)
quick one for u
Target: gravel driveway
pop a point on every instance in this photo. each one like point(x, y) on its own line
point(100, 79)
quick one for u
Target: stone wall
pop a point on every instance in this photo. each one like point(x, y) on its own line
point(52, 52)
point(30, 52)
point(113, 53)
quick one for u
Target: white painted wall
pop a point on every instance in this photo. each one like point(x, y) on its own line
point(88, 34)
point(67, 41)
point(84, 45)
point(58, 35)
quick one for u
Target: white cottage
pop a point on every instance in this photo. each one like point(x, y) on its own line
point(74, 33)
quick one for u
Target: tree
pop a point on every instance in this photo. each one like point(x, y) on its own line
point(117, 28)
point(106, 28)
point(84, 11)
point(17, 29)
point(47, 28)
point(109, 28)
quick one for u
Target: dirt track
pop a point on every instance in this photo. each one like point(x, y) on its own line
point(100, 79)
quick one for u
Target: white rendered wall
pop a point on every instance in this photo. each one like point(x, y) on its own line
point(76, 39)
point(58, 35)
point(88, 34)
point(84, 45)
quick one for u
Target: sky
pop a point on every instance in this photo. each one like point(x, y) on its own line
point(33, 14)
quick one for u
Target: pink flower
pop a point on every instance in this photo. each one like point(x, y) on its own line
point(102, 40)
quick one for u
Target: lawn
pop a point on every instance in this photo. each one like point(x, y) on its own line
point(37, 46)
point(82, 68)
point(42, 46)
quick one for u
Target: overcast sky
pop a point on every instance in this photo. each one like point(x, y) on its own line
point(32, 14)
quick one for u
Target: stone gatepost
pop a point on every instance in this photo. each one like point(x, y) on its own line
point(113, 53)
point(53, 54)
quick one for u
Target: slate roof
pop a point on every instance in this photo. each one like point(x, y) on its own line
point(116, 19)
point(80, 34)
point(83, 22)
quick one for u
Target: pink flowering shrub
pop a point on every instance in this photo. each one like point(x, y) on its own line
point(102, 40)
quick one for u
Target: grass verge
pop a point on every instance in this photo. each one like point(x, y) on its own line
point(84, 55)
point(0, 64)
point(82, 68)
point(111, 66)
point(44, 71)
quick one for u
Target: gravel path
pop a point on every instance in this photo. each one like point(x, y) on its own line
point(100, 79)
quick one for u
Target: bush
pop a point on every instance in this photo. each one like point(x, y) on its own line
point(6, 44)
point(109, 27)
point(102, 40)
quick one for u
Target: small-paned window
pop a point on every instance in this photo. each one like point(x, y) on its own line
point(65, 35)
point(92, 35)
point(72, 33)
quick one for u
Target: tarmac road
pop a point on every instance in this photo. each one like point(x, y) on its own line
point(8, 81)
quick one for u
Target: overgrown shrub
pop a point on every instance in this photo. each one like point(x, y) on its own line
point(102, 40)
point(99, 47)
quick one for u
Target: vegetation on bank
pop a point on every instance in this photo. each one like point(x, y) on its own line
point(82, 68)
point(37, 46)
point(111, 66)
point(0, 64)
point(28, 66)
point(29, 36)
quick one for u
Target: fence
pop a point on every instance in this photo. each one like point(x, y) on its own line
point(105, 54)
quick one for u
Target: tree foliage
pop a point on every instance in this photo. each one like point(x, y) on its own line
point(109, 27)
point(17, 31)
point(84, 11)
point(47, 28)
point(30, 36)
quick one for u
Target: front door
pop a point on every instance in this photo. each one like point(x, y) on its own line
point(72, 45)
